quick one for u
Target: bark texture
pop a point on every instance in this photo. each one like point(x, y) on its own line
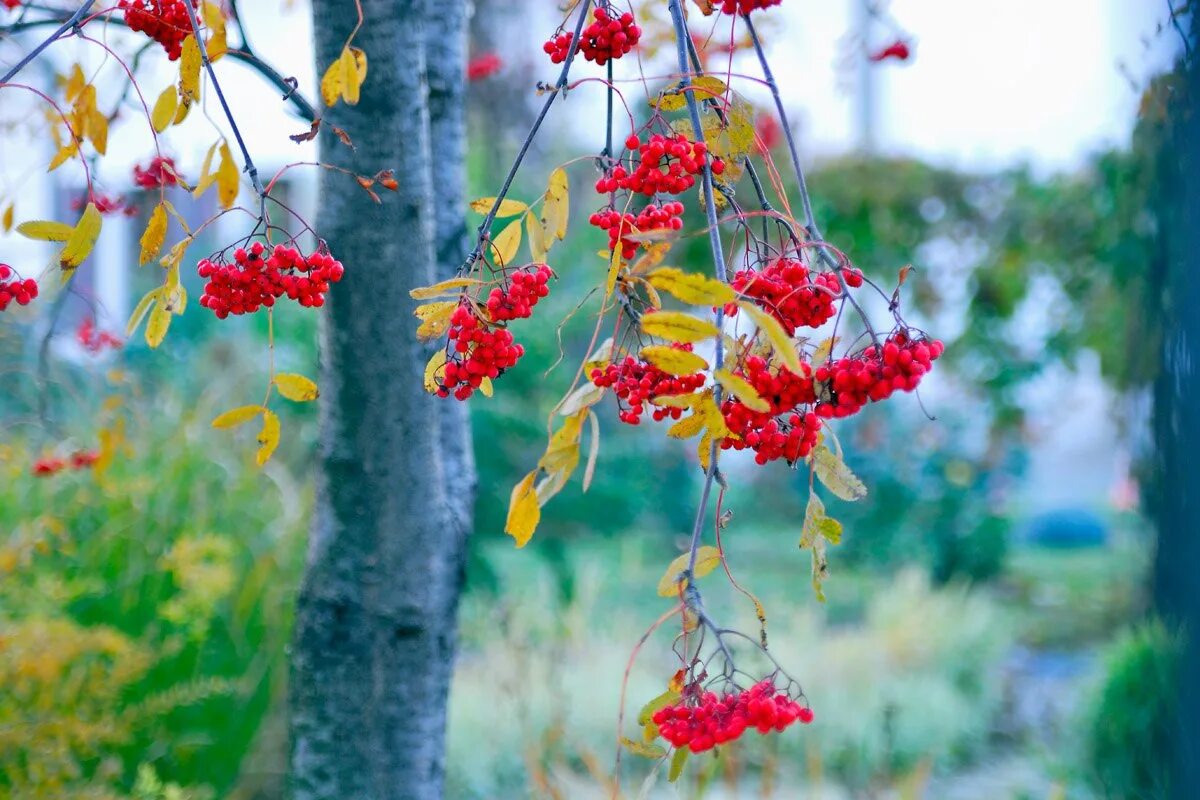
point(1177, 410)
point(374, 641)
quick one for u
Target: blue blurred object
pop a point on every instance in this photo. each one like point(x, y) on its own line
point(1068, 527)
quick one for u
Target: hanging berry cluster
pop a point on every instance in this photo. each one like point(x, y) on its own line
point(738, 7)
point(653, 217)
point(479, 345)
point(664, 165)
point(705, 721)
point(606, 39)
point(15, 290)
point(164, 21)
point(96, 341)
point(637, 382)
point(786, 290)
point(252, 282)
point(159, 173)
point(876, 373)
point(52, 465)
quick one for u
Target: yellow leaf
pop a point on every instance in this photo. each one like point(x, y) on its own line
point(740, 388)
point(360, 64)
point(593, 450)
point(678, 327)
point(63, 155)
point(600, 358)
point(704, 88)
point(825, 349)
point(435, 318)
point(214, 19)
point(584, 396)
point(708, 558)
point(157, 325)
point(557, 208)
point(508, 208)
point(238, 416)
point(44, 231)
point(436, 362)
point(189, 68)
point(485, 387)
point(642, 749)
point(427, 292)
point(836, 476)
point(780, 341)
point(97, 129)
point(164, 109)
point(704, 451)
point(333, 81)
point(139, 312)
point(687, 427)
point(8, 217)
point(676, 400)
point(351, 78)
point(296, 388)
point(690, 287)
point(506, 244)
point(227, 178)
point(268, 437)
point(672, 360)
point(155, 234)
point(539, 239)
point(615, 263)
point(523, 511)
point(207, 178)
point(83, 238)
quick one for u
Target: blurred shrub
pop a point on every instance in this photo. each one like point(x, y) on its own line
point(917, 684)
point(1129, 733)
point(144, 610)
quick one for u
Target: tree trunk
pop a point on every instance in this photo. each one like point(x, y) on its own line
point(375, 624)
point(1177, 410)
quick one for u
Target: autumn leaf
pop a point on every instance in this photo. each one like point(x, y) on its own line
point(436, 362)
point(678, 327)
point(667, 698)
point(678, 760)
point(268, 438)
point(539, 239)
point(776, 335)
point(296, 388)
point(825, 349)
point(708, 558)
point(351, 78)
point(691, 288)
point(508, 208)
point(836, 476)
point(740, 388)
point(154, 235)
point(139, 312)
point(189, 68)
point(687, 427)
point(642, 749)
point(227, 178)
point(332, 82)
point(435, 318)
point(673, 360)
point(237, 416)
point(506, 244)
point(557, 208)
point(158, 324)
point(83, 238)
point(444, 287)
point(7, 221)
point(164, 109)
point(214, 20)
point(523, 511)
point(44, 231)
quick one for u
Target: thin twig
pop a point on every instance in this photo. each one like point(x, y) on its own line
point(558, 88)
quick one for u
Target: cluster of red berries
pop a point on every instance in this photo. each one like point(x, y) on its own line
point(714, 720)
point(484, 66)
point(637, 382)
point(770, 438)
point(52, 465)
point(164, 21)
point(526, 287)
point(607, 38)
point(96, 341)
point(253, 281)
point(876, 373)
point(665, 165)
point(11, 4)
point(735, 7)
point(160, 172)
point(479, 352)
point(791, 293)
point(651, 218)
point(13, 289)
point(105, 204)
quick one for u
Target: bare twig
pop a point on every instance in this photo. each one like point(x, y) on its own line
point(69, 24)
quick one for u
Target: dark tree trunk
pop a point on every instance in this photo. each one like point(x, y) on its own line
point(1177, 410)
point(374, 642)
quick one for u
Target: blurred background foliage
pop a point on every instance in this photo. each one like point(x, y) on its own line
point(145, 607)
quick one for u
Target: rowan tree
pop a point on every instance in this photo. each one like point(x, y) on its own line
point(763, 352)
